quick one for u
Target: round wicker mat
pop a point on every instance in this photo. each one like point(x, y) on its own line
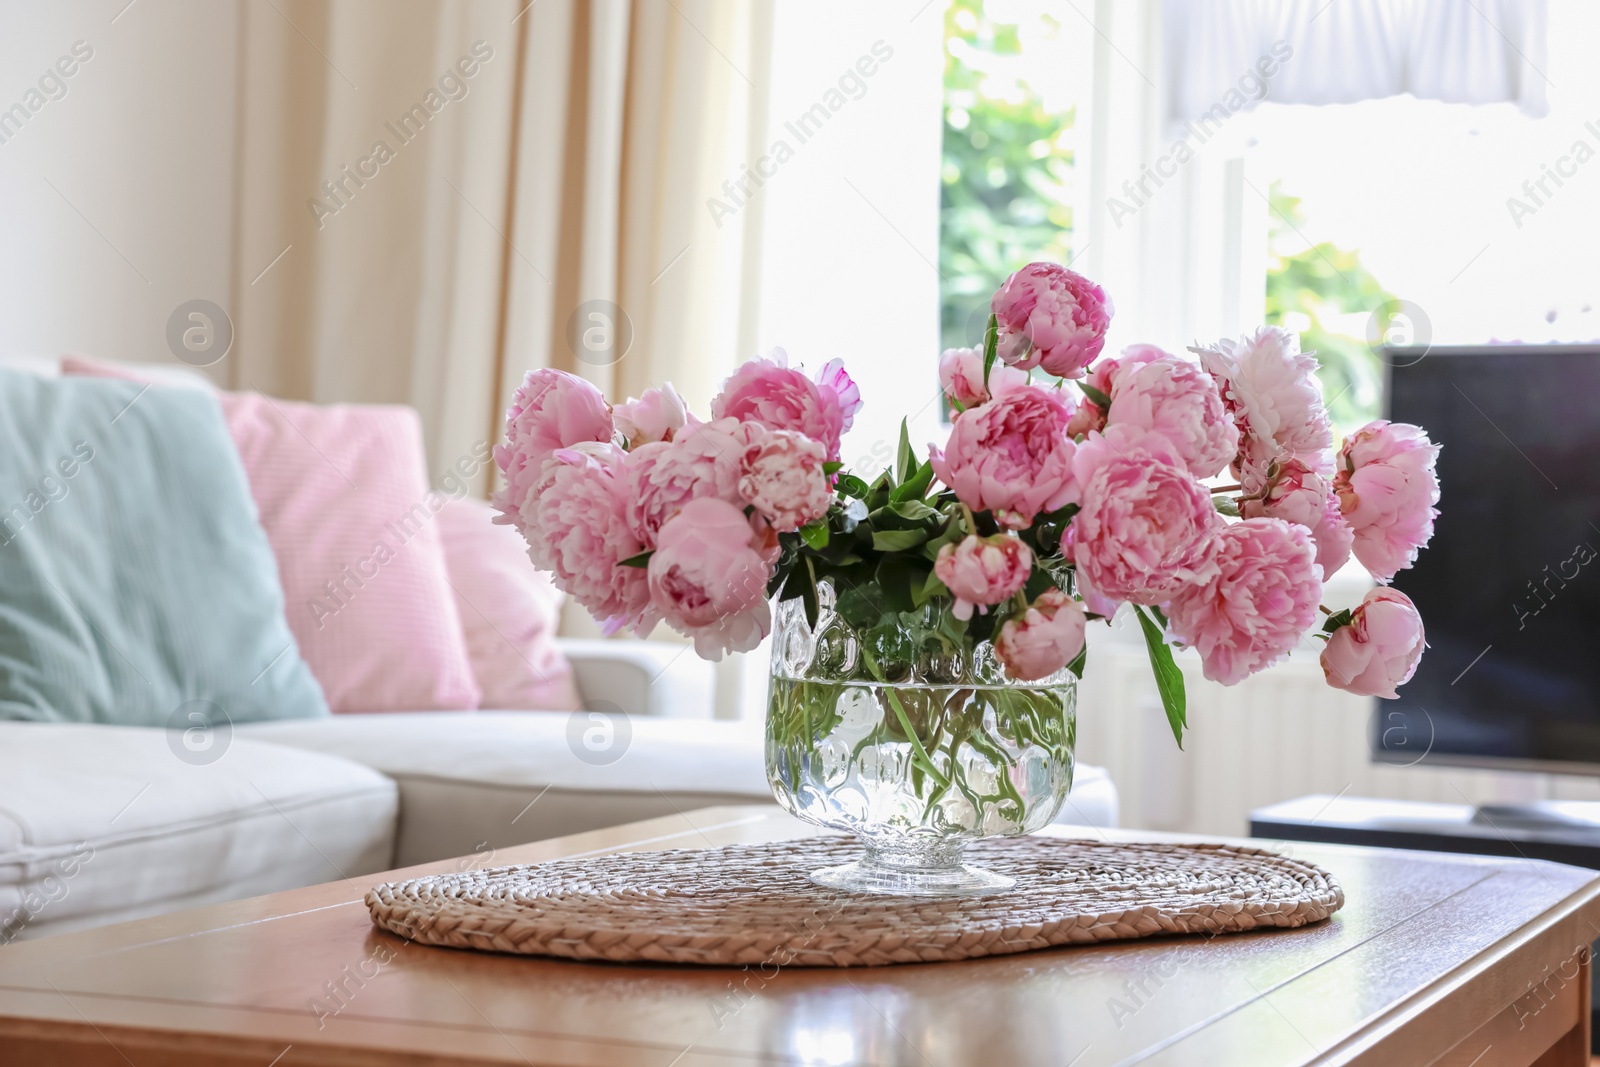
point(753, 904)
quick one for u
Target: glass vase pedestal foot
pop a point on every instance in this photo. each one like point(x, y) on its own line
point(935, 871)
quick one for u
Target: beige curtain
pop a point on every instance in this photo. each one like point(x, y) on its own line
point(436, 196)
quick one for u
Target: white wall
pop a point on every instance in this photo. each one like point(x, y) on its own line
point(116, 199)
point(851, 239)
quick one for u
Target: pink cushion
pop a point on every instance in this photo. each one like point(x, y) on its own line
point(509, 611)
point(343, 497)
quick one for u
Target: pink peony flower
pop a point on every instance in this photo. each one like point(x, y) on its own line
point(1144, 528)
point(832, 378)
point(1087, 418)
point(769, 392)
point(1380, 648)
point(1094, 601)
point(551, 409)
point(708, 577)
point(656, 415)
point(1178, 400)
point(1050, 317)
point(1261, 598)
point(1011, 456)
point(1090, 416)
point(1387, 488)
point(575, 528)
point(1270, 387)
point(781, 476)
point(961, 377)
point(1044, 639)
point(703, 461)
point(1334, 538)
point(1296, 493)
point(982, 571)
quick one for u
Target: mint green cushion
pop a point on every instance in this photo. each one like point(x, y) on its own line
point(135, 579)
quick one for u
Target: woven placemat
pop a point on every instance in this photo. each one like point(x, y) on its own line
point(752, 904)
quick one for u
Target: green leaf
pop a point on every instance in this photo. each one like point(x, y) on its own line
point(833, 466)
point(1039, 581)
point(981, 627)
point(897, 579)
point(905, 514)
point(1169, 679)
point(1061, 516)
point(878, 495)
point(897, 540)
point(991, 347)
point(788, 554)
point(816, 534)
point(950, 628)
point(949, 533)
point(1076, 666)
point(1336, 620)
point(1226, 505)
point(913, 488)
point(905, 460)
point(857, 609)
point(852, 486)
point(1094, 394)
point(641, 560)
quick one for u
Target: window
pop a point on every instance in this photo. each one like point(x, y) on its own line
point(1007, 165)
point(1481, 219)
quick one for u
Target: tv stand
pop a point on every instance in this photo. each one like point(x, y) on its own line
point(1561, 831)
point(1554, 815)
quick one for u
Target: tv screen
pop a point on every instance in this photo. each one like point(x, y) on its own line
point(1509, 589)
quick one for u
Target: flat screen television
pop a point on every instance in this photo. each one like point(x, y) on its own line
point(1509, 588)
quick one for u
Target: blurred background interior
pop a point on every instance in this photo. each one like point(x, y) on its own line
point(660, 189)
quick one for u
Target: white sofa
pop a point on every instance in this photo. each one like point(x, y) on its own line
point(104, 823)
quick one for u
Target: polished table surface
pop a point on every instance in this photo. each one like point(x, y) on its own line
point(1434, 959)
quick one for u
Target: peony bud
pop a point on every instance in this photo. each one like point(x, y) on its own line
point(1044, 639)
point(983, 571)
point(1380, 647)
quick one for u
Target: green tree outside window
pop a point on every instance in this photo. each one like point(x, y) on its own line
point(1006, 199)
point(1325, 293)
point(1006, 181)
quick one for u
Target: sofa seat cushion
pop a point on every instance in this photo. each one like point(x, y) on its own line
point(105, 823)
point(475, 782)
point(479, 781)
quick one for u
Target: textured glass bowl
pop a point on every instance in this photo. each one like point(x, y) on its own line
point(916, 750)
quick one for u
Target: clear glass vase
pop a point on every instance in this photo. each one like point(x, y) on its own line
point(915, 743)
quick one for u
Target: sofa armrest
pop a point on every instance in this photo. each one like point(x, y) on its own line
point(1093, 800)
point(658, 678)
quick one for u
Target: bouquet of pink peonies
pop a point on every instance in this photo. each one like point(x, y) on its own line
point(1047, 507)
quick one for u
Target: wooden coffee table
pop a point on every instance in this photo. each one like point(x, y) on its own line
point(1434, 959)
